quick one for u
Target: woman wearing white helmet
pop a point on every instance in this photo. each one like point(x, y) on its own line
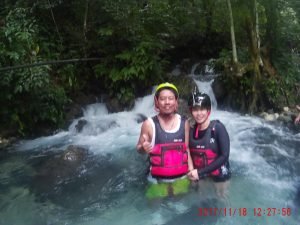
point(209, 145)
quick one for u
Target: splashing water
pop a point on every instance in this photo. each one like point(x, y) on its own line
point(108, 187)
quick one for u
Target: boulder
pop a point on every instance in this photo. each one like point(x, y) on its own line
point(75, 154)
point(59, 168)
point(80, 125)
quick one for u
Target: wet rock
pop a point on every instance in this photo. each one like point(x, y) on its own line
point(286, 109)
point(269, 116)
point(60, 168)
point(98, 128)
point(176, 71)
point(75, 108)
point(219, 90)
point(95, 128)
point(80, 124)
point(115, 105)
point(6, 142)
point(3, 142)
point(285, 118)
point(140, 118)
point(75, 154)
point(74, 180)
point(184, 84)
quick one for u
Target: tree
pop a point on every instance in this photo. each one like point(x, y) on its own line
point(232, 32)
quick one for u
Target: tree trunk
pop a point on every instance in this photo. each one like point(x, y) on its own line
point(54, 21)
point(257, 31)
point(234, 52)
point(271, 40)
point(85, 25)
point(255, 58)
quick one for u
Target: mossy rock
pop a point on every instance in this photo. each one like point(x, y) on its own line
point(185, 85)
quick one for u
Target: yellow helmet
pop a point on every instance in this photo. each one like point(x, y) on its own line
point(167, 86)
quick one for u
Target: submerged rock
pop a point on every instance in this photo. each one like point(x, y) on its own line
point(75, 154)
point(61, 166)
point(74, 180)
point(58, 169)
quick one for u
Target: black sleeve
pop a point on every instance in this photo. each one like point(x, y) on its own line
point(222, 139)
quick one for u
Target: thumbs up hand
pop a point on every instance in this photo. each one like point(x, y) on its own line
point(146, 144)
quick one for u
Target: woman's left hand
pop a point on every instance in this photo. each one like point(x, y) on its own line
point(193, 175)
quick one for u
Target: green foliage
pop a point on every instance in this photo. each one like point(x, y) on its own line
point(140, 34)
point(28, 95)
point(18, 37)
point(136, 41)
point(140, 64)
point(68, 78)
point(30, 100)
point(273, 93)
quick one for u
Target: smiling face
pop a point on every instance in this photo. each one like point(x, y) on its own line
point(166, 102)
point(200, 114)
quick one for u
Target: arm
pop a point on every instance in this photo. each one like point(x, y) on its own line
point(297, 120)
point(144, 142)
point(223, 141)
point(187, 130)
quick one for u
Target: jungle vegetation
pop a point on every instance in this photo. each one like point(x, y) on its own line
point(132, 45)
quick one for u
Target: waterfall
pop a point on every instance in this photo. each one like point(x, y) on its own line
point(205, 86)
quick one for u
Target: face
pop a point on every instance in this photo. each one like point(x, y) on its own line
point(166, 102)
point(200, 114)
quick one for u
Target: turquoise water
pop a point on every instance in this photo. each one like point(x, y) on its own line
point(107, 188)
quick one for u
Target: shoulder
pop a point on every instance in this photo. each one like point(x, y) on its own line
point(184, 120)
point(180, 117)
point(147, 124)
point(217, 123)
point(219, 127)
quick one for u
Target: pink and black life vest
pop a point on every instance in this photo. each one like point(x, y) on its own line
point(169, 158)
point(205, 149)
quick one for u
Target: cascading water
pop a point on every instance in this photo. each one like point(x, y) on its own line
point(107, 188)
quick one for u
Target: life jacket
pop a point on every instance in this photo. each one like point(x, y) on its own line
point(205, 150)
point(169, 158)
